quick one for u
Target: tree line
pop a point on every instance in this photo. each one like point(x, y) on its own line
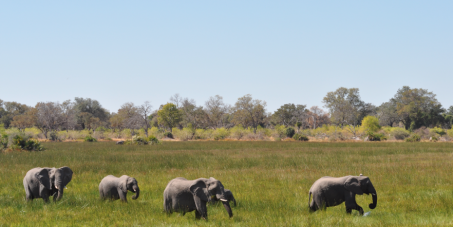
point(410, 108)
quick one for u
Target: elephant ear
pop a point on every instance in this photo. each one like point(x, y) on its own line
point(67, 173)
point(353, 185)
point(43, 178)
point(123, 184)
point(199, 189)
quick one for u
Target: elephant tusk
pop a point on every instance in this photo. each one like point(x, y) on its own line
point(65, 187)
point(223, 200)
point(134, 190)
point(56, 187)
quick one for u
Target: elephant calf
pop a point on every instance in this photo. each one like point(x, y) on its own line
point(44, 182)
point(114, 188)
point(331, 191)
point(182, 195)
point(228, 195)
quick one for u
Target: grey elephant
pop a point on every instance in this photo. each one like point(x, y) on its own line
point(114, 188)
point(182, 195)
point(44, 182)
point(228, 195)
point(331, 191)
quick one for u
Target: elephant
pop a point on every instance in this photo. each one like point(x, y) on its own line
point(114, 188)
point(182, 196)
point(44, 182)
point(331, 191)
point(228, 195)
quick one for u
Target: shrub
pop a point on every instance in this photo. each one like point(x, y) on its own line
point(290, 132)
point(90, 139)
point(153, 140)
point(376, 136)
point(370, 123)
point(300, 137)
point(184, 134)
point(53, 136)
point(238, 132)
point(438, 131)
point(3, 141)
point(221, 133)
point(139, 140)
point(434, 139)
point(399, 133)
point(168, 135)
point(413, 138)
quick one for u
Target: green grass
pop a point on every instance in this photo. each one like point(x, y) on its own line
point(270, 181)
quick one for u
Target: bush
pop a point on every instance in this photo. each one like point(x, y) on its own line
point(53, 136)
point(376, 136)
point(300, 137)
point(168, 135)
point(238, 132)
point(434, 139)
point(290, 132)
point(3, 141)
point(399, 133)
point(90, 139)
point(221, 133)
point(370, 123)
point(22, 142)
point(139, 140)
point(413, 138)
point(438, 131)
point(153, 140)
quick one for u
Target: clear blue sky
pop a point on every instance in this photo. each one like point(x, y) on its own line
point(277, 51)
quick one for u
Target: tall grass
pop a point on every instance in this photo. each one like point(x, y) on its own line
point(270, 181)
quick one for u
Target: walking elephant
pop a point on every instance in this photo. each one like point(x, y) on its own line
point(44, 182)
point(114, 188)
point(228, 195)
point(331, 191)
point(182, 195)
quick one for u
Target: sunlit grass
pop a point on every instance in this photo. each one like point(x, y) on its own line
point(270, 181)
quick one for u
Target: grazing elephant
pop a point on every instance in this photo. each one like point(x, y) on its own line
point(331, 191)
point(45, 182)
point(182, 195)
point(228, 195)
point(114, 188)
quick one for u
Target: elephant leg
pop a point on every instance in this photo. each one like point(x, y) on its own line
point(122, 195)
point(197, 214)
point(352, 205)
point(43, 192)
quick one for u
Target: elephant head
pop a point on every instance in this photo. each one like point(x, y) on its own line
point(208, 189)
point(361, 184)
point(130, 184)
point(59, 178)
point(43, 178)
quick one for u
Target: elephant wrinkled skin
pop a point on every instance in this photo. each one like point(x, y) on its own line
point(44, 182)
point(114, 188)
point(228, 195)
point(182, 195)
point(331, 191)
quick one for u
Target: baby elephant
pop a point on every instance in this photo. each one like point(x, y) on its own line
point(228, 195)
point(331, 191)
point(114, 188)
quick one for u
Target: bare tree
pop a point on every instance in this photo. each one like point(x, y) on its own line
point(217, 112)
point(131, 118)
point(144, 111)
point(48, 116)
point(69, 115)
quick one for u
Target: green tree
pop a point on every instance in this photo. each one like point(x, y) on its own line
point(249, 112)
point(371, 123)
point(417, 107)
point(169, 116)
point(289, 114)
point(89, 108)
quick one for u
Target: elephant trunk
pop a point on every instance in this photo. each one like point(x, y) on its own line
point(234, 201)
point(228, 208)
point(137, 192)
point(59, 194)
point(374, 194)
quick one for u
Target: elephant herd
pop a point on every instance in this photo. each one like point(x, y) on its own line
point(182, 195)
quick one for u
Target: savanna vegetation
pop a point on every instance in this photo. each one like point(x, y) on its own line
point(270, 181)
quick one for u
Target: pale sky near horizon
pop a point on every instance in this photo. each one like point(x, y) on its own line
point(277, 51)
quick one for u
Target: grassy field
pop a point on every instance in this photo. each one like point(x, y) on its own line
point(270, 181)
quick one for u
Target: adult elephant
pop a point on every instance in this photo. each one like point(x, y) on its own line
point(228, 195)
point(182, 195)
point(44, 182)
point(331, 191)
point(114, 188)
